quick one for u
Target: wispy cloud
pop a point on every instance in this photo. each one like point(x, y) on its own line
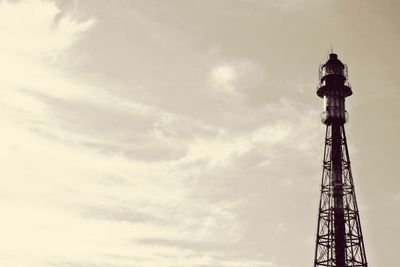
point(223, 76)
point(90, 178)
point(238, 77)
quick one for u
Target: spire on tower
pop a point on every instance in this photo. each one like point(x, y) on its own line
point(331, 50)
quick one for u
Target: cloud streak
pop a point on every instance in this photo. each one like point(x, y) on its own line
point(91, 178)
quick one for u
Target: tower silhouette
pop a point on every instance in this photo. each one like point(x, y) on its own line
point(339, 237)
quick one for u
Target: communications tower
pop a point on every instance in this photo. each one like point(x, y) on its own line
point(339, 237)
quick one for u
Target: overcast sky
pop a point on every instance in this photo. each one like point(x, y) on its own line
point(187, 133)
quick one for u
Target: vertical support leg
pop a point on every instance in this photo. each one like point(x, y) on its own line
point(338, 209)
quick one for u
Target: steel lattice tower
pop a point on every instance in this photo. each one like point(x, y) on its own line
point(339, 238)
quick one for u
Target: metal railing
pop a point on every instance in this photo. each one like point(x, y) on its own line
point(323, 71)
point(334, 113)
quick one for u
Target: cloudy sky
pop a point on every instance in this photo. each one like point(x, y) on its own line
point(187, 133)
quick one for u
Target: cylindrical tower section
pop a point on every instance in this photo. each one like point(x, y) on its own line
point(333, 88)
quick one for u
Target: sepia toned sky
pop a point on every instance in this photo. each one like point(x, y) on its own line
point(152, 133)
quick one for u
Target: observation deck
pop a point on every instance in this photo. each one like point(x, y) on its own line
point(333, 78)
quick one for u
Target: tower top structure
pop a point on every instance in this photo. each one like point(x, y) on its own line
point(334, 88)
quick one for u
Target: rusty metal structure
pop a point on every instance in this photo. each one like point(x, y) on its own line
point(339, 241)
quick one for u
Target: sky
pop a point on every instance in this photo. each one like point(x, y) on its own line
point(187, 133)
